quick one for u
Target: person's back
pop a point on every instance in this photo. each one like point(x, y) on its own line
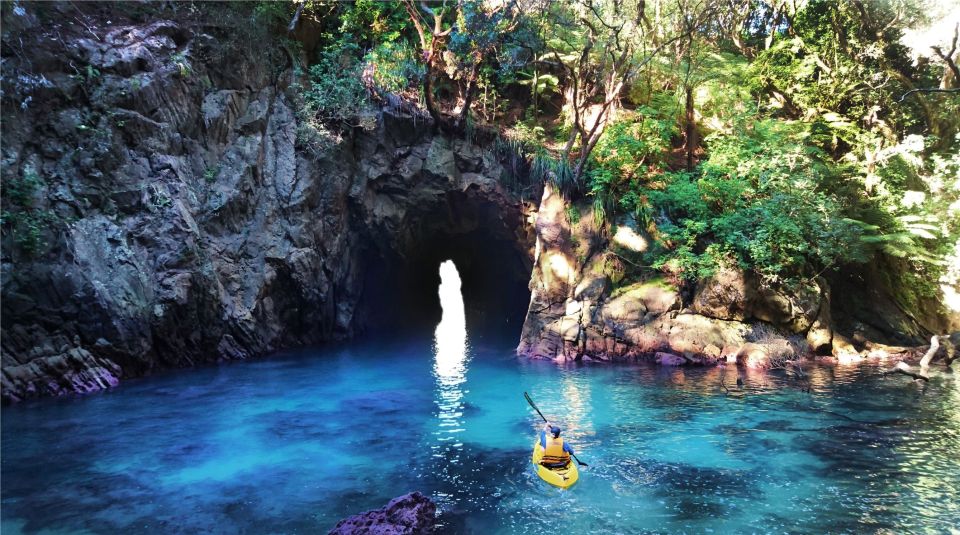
point(556, 452)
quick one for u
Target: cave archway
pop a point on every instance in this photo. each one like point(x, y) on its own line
point(483, 232)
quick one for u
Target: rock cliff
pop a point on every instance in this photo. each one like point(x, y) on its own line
point(169, 215)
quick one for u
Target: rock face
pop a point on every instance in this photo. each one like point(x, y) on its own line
point(409, 514)
point(182, 219)
point(581, 308)
point(574, 314)
point(737, 295)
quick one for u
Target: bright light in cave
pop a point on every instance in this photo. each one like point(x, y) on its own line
point(451, 335)
point(450, 365)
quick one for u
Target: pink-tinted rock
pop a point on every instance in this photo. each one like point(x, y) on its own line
point(753, 356)
point(669, 359)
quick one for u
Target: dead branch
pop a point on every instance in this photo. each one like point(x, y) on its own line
point(928, 356)
point(296, 17)
point(927, 90)
point(904, 368)
point(948, 57)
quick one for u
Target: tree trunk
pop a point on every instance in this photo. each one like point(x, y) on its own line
point(468, 97)
point(428, 97)
point(691, 131)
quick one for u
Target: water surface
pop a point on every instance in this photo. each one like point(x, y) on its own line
point(293, 443)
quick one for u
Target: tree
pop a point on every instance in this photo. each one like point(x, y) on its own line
point(455, 42)
point(606, 46)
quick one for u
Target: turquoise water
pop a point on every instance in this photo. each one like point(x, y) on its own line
point(293, 443)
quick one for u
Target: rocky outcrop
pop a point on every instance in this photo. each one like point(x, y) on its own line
point(583, 307)
point(737, 295)
point(179, 220)
point(575, 313)
point(409, 514)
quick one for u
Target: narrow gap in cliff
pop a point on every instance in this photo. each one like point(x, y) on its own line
point(401, 290)
point(450, 336)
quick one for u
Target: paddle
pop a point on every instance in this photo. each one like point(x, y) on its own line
point(532, 404)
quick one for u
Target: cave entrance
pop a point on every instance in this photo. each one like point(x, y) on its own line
point(488, 244)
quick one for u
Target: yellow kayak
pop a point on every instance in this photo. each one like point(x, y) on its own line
point(563, 477)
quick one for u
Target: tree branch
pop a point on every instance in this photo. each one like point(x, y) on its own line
point(904, 369)
point(948, 57)
point(296, 17)
point(927, 90)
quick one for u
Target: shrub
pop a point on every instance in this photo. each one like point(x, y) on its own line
point(20, 190)
point(335, 92)
point(395, 66)
point(758, 202)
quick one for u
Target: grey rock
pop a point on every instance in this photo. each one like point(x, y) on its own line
point(191, 227)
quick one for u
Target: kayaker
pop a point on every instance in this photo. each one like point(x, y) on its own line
point(556, 452)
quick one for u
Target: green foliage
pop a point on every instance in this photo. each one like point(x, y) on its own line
point(273, 13)
point(758, 202)
point(541, 84)
point(395, 67)
point(335, 92)
point(183, 65)
point(91, 72)
point(512, 154)
point(28, 230)
point(546, 168)
point(374, 23)
point(630, 150)
point(210, 175)
point(159, 197)
point(21, 190)
point(86, 76)
point(20, 218)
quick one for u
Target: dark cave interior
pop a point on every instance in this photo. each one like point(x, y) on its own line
point(493, 259)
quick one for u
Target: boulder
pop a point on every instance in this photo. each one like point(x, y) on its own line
point(723, 296)
point(820, 335)
point(753, 356)
point(405, 515)
point(793, 309)
point(736, 295)
point(669, 359)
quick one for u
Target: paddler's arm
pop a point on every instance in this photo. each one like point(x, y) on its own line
point(543, 435)
point(567, 447)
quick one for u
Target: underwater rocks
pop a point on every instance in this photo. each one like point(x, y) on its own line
point(405, 515)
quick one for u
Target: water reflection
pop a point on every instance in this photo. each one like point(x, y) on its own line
point(576, 396)
point(450, 362)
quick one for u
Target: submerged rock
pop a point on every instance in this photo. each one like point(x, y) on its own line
point(669, 359)
point(405, 515)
